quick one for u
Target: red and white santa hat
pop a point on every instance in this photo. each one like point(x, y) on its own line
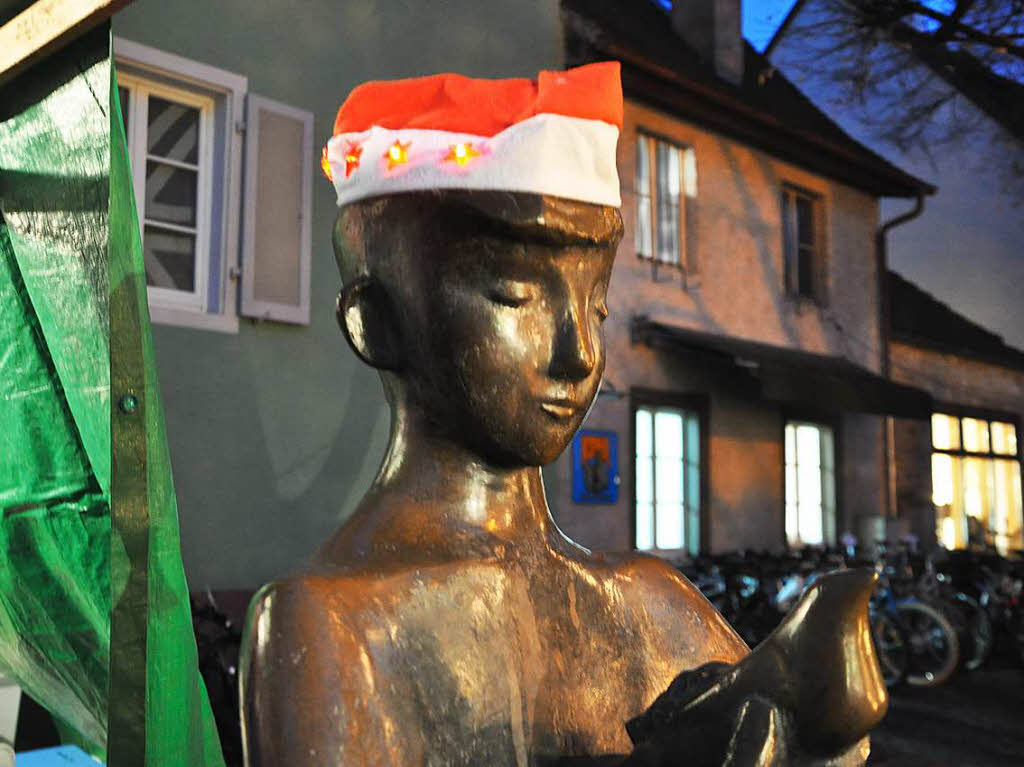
point(555, 135)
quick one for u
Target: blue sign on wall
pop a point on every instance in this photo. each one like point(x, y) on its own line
point(595, 467)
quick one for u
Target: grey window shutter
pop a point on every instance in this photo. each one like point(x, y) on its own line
point(277, 212)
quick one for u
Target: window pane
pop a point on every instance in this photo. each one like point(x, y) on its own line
point(669, 525)
point(975, 435)
point(169, 258)
point(692, 439)
point(828, 507)
point(945, 432)
point(669, 480)
point(792, 528)
point(790, 443)
point(644, 481)
point(1004, 438)
point(828, 461)
point(668, 434)
point(173, 130)
point(942, 480)
point(668, 170)
point(791, 492)
point(810, 524)
point(808, 488)
point(693, 506)
point(808, 446)
point(975, 487)
point(805, 267)
point(171, 194)
point(643, 432)
point(805, 221)
point(789, 241)
point(644, 526)
point(642, 188)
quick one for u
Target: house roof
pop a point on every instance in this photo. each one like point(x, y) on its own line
point(764, 110)
point(919, 319)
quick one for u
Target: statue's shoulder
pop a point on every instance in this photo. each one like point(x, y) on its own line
point(306, 670)
point(679, 606)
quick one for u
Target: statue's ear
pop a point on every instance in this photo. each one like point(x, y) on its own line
point(365, 314)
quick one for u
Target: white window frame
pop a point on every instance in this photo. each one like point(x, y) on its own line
point(691, 521)
point(137, 147)
point(827, 506)
point(687, 191)
point(175, 76)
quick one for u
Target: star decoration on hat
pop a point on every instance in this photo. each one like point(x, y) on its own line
point(461, 153)
point(398, 154)
point(352, 155)
point(325, 165)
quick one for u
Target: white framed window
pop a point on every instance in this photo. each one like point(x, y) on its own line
point(169, 135)
point(190, 130)
point(810, 484)
point(185, 151)
point(667, 479)
point(665, 180)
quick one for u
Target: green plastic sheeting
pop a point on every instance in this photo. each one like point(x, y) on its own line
point(94, 613)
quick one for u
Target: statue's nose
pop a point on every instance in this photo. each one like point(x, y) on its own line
point(575, 352)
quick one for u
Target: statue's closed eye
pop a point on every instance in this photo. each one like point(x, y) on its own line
point(512, 293)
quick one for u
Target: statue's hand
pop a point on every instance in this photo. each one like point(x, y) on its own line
point(675, 732)
point(805, 697)
point(760, 739)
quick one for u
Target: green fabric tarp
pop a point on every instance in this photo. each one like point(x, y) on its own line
point(94, 613)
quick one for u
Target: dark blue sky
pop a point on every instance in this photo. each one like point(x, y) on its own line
point(761, 18)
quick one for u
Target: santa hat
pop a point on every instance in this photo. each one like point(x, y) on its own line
point(555, 135)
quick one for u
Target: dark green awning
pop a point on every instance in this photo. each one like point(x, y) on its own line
point(789, 376)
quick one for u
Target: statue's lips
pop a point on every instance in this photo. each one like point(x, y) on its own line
point(560, 409)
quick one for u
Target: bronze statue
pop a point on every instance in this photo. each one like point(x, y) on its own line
point(449, 621)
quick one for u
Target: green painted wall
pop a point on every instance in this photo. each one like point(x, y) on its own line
point(276, 432)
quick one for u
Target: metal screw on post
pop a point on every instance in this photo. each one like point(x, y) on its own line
point(128, 404)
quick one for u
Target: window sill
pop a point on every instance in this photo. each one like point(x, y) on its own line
point(676, 270)
point(183, 318)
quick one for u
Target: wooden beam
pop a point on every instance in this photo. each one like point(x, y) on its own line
point(45, 26)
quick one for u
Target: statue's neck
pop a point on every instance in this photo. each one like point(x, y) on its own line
point(428, 477)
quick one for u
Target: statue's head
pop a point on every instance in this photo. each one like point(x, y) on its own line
point(480, 306)
point(482, 310)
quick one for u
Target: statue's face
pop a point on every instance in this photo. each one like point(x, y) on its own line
point(507, 348)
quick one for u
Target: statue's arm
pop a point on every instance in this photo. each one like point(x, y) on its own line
point(308, 694)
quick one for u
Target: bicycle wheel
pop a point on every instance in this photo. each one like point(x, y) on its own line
point(891, 647)
point(934, 648)
point(977, 638)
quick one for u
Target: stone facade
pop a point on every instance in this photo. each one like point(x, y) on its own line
point(734, 286)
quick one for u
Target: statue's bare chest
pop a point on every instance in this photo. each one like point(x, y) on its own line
point(492, 656)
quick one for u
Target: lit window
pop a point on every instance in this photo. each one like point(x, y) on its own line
point(667, 479)
point(810, 485)
point(666, 176)
point(976, 483)
point(802, 229)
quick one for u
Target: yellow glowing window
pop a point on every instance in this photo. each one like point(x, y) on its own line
point(945, 432)
point(1004, 438)
point(976, 483)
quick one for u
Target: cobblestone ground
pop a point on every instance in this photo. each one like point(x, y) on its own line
point(976, 720)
